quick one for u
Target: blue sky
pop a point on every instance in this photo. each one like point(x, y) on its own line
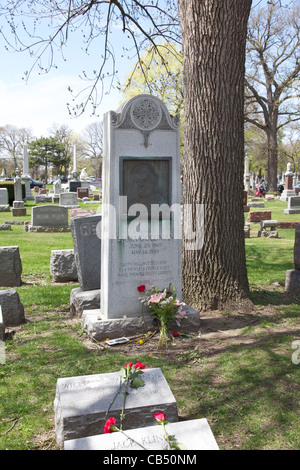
point(41, 101)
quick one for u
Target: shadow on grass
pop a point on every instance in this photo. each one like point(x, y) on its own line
point(267, 297)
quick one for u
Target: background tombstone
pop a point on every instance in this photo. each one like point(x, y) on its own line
point(4, 205)
point(25, 175)
point(292, 281)
point(18, 204)
point(68, 199)
point(10, 266)
point(87, 252)
point(49, 219)
point(288, 184)
point(142, 141)
point(12, 308)
point(293, 205)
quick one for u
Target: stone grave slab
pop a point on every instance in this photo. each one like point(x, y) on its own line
point(81, 403)
point(193, 434)
point(86, 232)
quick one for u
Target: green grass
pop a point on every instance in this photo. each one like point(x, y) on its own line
point(248, 390)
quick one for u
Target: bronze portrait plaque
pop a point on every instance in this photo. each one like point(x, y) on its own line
point(146, 180)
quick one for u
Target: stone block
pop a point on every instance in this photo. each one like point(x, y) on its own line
point(62, 266)
point(257, 216)
point(81, 403)
point(21, 212)
point(10, 266)
point(12, 308)
point(192, 434)
point(5, 227)
point(84, 300)
point(100, 328)
point(5, 208)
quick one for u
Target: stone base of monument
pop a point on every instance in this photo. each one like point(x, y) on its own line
point(295, 210)
point(81, 300)
point(286, 194)
point(18, 212)
point(192, 434)
point(100, 328)
point(40, 228)
point(292, 281)
point(81, 403)
point(4, 208)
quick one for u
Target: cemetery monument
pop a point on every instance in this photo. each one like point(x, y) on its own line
point(141, 214)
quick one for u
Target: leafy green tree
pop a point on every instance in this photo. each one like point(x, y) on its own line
point(45, 151)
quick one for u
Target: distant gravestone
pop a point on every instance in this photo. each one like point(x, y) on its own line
point(293, 205)
point(81, 403)
point(49, 216)
point(3, 196)
point(10, 266)
point(68, 199)
point(73, 186)
point(292, 281)
point(82, 192)
point(192, 434)
point(18, 204)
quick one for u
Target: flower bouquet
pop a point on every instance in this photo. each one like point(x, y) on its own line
point(165, 308)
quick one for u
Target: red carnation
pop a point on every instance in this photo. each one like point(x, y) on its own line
point(139, 365)
point(141, 288)
point(175, 334)
point(109, 426)
point(128, 365)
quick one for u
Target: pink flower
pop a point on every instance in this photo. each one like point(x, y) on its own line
point(155, 298)
point(140, 365)
point(109, 426)
point(141, 288)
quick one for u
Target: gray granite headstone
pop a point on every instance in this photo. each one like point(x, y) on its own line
point(49, 216)
point(68, 199)
point(3, 197)
point(81, 403)
point(87, 250)
point(12, 307)
point(10, 266)
point(62, 266)
point(192, 434)
point(293, 205)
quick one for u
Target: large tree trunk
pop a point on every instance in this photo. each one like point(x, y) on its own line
point(214, 37)
point(272, 159)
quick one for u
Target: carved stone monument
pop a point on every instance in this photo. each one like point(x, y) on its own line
point(18, 204)
point(141, 211)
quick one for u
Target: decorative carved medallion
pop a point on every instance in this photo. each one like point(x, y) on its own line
point(145, 114)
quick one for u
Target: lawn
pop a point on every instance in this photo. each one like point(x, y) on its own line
point(238, 373)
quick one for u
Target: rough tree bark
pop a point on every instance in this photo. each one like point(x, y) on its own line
point(214, 38)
